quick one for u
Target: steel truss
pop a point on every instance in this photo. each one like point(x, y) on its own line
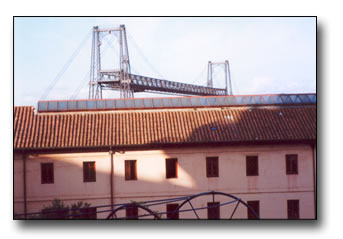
point(147, 84)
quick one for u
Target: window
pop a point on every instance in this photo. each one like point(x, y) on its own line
point(291, 164)
point(171, 211)
point(213, 211)
point(89, 172)
point(212, 167)
point(47, 173)
point(171, 168)
point(252, 165)
point(130, 169)
point(293, 209)
point(132, 212)
point(254, 205)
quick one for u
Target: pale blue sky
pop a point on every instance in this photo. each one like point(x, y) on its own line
point(267, 55)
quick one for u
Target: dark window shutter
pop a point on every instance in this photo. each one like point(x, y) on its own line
point(254, 205)
point(213, 210)
point(171, 168)
point(132, 212)
point(171, 211)
point(293, 209)
point(127, 170)
point(252, 165)
point(212, 167)
point(89, 173)
point(47, 173)
point(130, 170)
point(291, 164)
point(133, 170)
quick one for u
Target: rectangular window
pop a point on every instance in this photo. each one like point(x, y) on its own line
point(47, 173)
point(171, 168)
point(132, 212)
point(213, 210)
point(212, 167)
point(89, 172)
point(291, 164)
point(130, 169)
point(293, 209)
point(254, 205)
point(171, 211)
point(252, 165)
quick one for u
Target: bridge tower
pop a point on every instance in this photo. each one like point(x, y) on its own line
point(99, 75)
point(210, 74)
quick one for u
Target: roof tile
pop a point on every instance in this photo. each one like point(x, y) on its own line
point(86, 129)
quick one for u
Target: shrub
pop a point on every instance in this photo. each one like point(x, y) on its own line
point(58, 210)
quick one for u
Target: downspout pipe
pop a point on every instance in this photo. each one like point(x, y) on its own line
point(24, 185)
point(111, 178)
point(314, 158)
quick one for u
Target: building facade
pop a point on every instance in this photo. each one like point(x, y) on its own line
point(263, 153)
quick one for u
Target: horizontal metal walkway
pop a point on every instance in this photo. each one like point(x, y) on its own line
point(148, 84)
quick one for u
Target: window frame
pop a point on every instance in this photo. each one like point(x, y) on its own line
point(130, 167)
point(213, 213)
point(212, 167)
point(248, 163)
point(255, 205)
point(293, 209)
point(88, 175)
point(174, 169)
point(292, 166)
point(46, 170)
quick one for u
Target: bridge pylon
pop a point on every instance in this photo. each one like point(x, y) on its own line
point(98, 75)
point(210, 75)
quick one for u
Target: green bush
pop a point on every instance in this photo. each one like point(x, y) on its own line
point(58, 210)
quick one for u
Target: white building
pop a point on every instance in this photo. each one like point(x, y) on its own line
point(261, 149)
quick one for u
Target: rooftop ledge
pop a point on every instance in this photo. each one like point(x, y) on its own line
point(175, 102)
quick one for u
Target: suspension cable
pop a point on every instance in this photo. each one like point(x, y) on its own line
point(143, 56)
point(108, 43)
point(65, 67)
point(86, 77)
point(199, 76)
point(83, 82)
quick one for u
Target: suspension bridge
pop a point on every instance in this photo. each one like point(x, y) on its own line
point(122, 79)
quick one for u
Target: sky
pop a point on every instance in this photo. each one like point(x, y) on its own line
point(267, 55)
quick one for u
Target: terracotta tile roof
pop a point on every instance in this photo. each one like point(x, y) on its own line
point(157, 127)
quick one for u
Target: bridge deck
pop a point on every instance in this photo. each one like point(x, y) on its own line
point(148, 84)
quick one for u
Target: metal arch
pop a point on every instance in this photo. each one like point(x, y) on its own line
point(145, 205)
point(188, 200)
point(113, 215)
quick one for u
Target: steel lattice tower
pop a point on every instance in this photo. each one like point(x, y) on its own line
point(226, 68)
point(98, 75)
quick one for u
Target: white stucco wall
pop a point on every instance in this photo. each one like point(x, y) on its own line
point(272, 187)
